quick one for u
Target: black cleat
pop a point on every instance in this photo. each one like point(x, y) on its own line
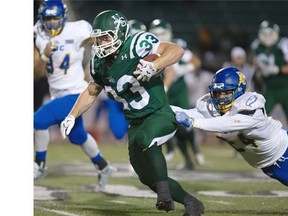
point(167, 205)
point(194, 208)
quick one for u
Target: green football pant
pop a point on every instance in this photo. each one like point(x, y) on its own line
point(146, 155)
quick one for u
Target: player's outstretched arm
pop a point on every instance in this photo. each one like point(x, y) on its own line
point(83, 103)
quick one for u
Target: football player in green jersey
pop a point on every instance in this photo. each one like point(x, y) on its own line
point(119, 68)
point(271, 59)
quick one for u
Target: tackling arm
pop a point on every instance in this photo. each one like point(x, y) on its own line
point(223, 124)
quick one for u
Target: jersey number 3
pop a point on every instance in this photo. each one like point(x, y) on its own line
point(135, 89)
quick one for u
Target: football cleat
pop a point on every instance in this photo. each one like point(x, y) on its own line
point(103, 176)
point(167, 205)
point(200, 159)
point(39, 171)
point(194, 208)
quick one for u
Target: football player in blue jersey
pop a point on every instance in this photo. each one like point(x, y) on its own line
point(239, 118)
point(59, 49)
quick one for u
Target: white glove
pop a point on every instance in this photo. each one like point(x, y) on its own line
point(67, 125)
point(145, 70)
point(183, 119)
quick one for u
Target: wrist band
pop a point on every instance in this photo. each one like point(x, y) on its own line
point(44, 57)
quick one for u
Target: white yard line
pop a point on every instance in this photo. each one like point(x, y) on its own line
point(56, 211)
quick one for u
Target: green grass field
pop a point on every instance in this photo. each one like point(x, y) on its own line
point(71, 177)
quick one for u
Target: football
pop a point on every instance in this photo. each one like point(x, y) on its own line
point(149, 58)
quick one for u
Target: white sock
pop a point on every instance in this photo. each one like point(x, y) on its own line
point(41, 139)
point(90, 147)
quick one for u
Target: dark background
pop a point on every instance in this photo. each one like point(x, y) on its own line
point(211, 28)
point(223, 18)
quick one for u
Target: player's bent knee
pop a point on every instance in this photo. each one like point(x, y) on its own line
point(40, 125)
point(78, 140)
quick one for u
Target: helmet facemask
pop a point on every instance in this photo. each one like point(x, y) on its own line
point(114, 38)
point(52, 16)
point(223, 100)
point(227, 85)
point(103, 50)
point(53, 25)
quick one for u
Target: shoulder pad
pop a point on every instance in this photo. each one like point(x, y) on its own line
point(81, 27)
point(248, 102)
point(205, 107)
point(143, 49)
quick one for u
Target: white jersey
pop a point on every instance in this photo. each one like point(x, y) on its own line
point(258, 138)
point(65, 72)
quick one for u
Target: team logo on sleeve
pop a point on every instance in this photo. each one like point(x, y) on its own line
point(251, 100)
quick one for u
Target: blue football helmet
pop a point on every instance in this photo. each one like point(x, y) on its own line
point(52, 15)
point(227, 85)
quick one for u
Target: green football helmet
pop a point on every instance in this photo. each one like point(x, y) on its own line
point(112, 27)
point(162, 29)
point(136, 26)
point(268, 33)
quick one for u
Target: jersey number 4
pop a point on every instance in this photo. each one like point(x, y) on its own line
point(64, 64)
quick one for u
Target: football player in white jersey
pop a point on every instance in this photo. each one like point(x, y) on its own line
point(59, 50)
point(240, 119)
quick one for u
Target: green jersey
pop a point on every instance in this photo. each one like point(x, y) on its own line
point(269, 57)
point(139, 99)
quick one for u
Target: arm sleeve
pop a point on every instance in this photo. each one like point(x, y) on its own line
point(146, 43)
point(223, 124)
point(193, 113)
